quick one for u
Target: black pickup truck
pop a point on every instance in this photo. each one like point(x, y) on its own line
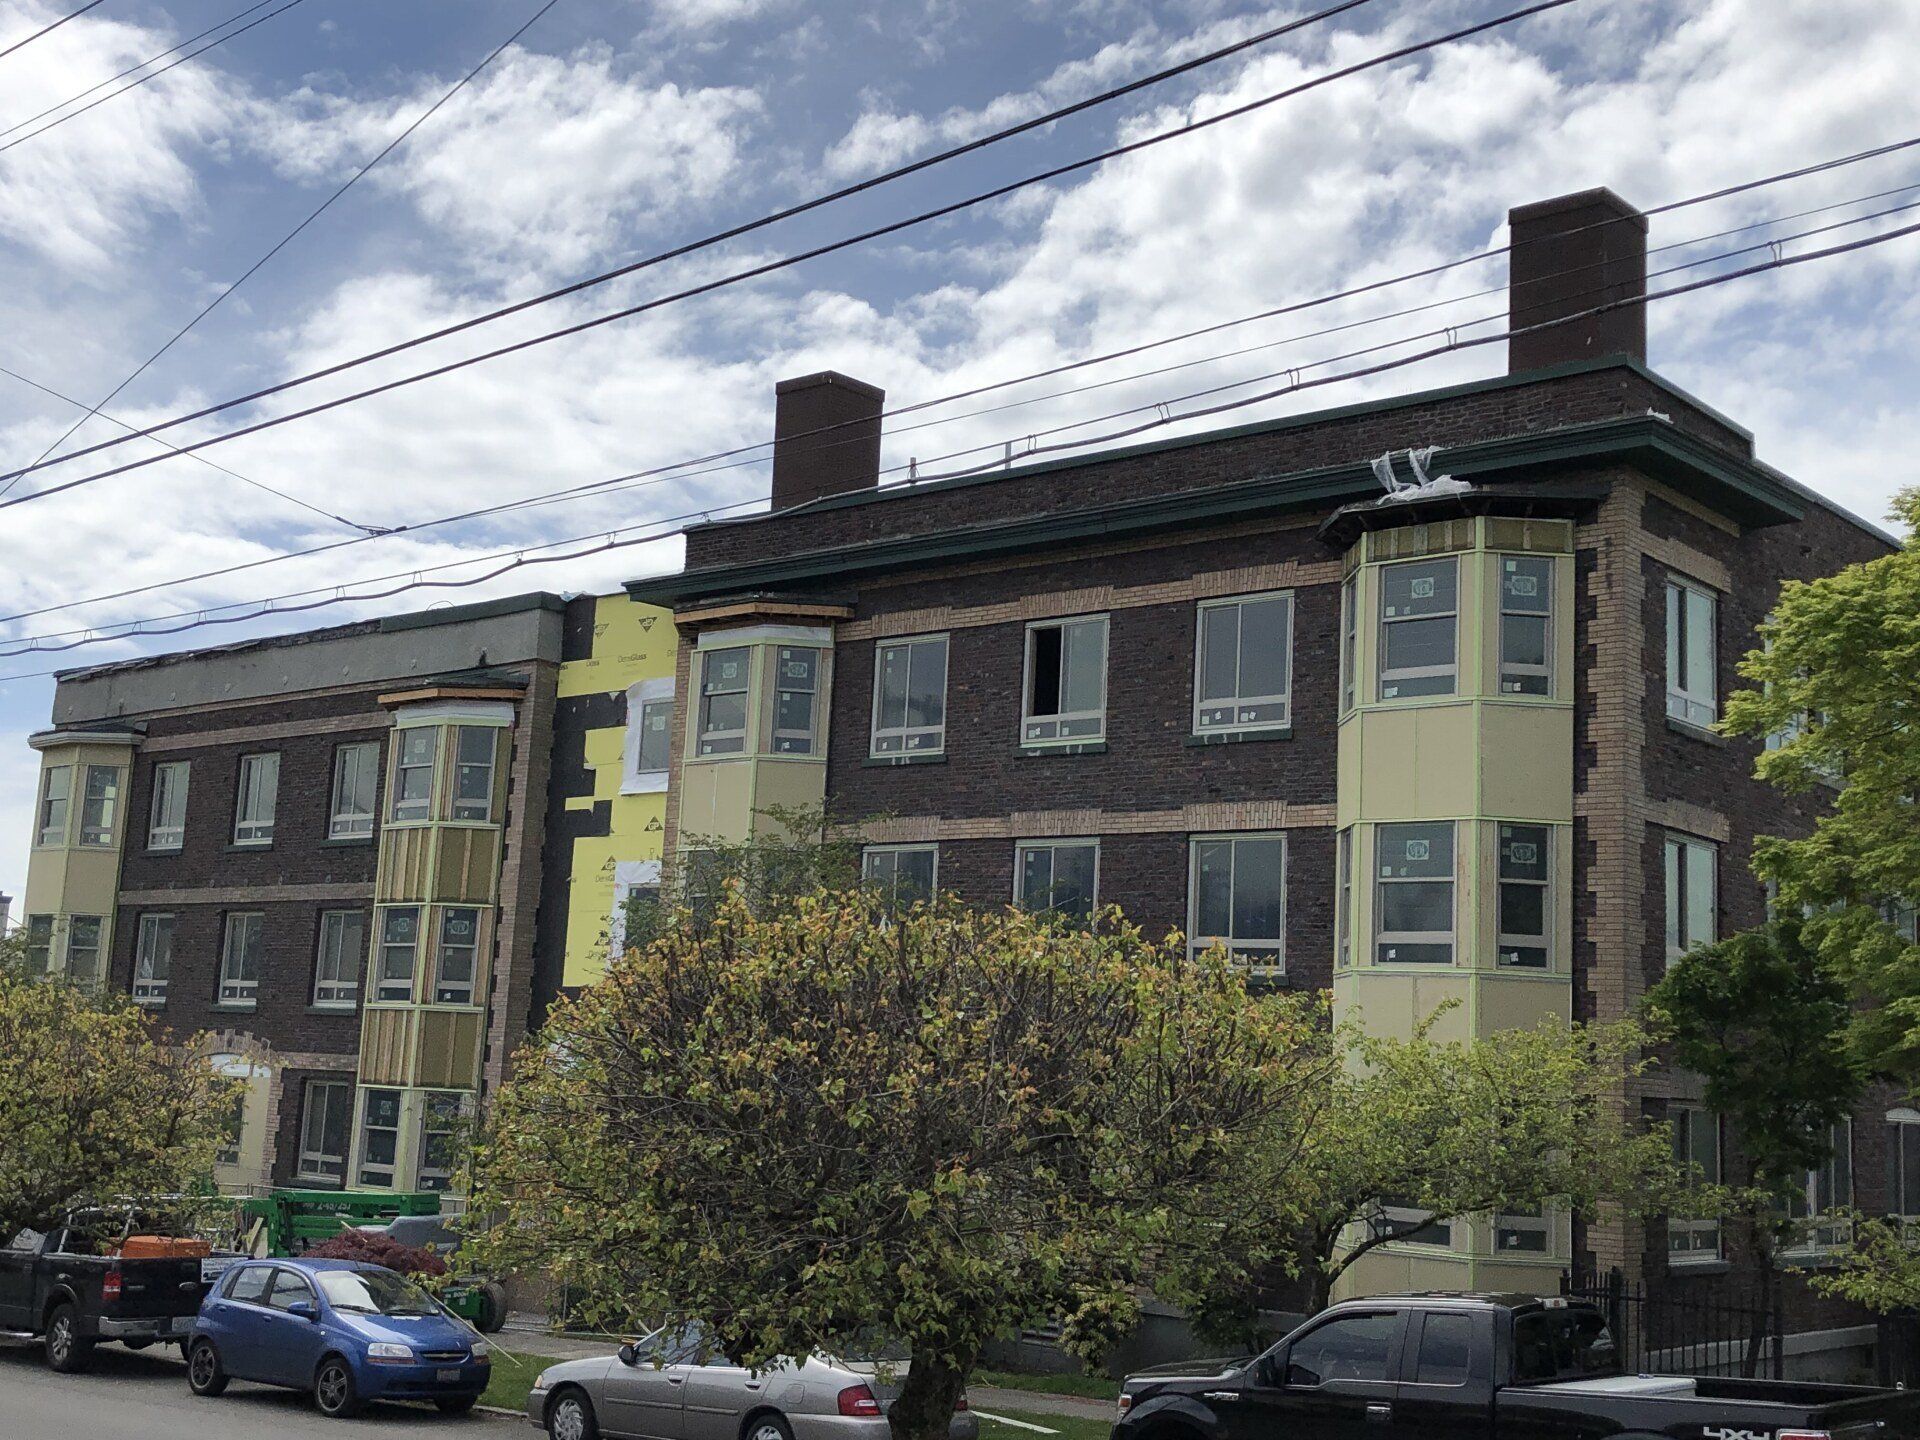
point(1483, 1367)
point(67, 1289)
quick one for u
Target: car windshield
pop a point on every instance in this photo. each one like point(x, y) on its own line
point(374, 1292)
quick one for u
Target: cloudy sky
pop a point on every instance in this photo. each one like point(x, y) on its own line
point(617, 129)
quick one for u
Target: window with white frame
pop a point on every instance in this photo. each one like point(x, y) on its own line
point(1692, 894)
point(1527, 1231)
point(1243, 664)
point(39, 944)
point(1821, 1204)
point(910, 696)
point(1413, 895)
point(905, 874)
point(441, 1116)
point(343, 950)
point(167, 819)
point(1058, 875)
point(398, 953)
point(1903, 1164)
point(646, 744)
point(1419, 628)
point(1236, 890)
point(100, 805)
point(456, 956)
point(1526, 625)
point(240, 958)
point(413, 773)
point(152, 959)
point(1065, 695)
point(474, 751)
point(1696, 1151)
point(379, 1138)
point(1526, 896)
point(83, 948)
point(725, 679)
point(1349, 641)
point(258, 796)
point(356, 787)
point(796, 700)
point(1343, 898)
point(56, 794)
point(1692, 689)
point(326, 1121)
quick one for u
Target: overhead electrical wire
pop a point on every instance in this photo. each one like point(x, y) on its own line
point(48, 29)
point(740, 276)
point(679, 470)
point(201, 459)
point(155, 75)
point(289, 237)
point(133, 69)
point(1165, 418)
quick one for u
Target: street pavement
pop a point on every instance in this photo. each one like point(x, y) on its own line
point(144, 1396)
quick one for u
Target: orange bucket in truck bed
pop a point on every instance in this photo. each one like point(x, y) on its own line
point(163, 1247)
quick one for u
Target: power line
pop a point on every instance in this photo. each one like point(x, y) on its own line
point(48, 29)
point(680, 470)
point(705, 242)
point(132, 69)
point(289, 237)
point(1453, 342)
point(201, 459)
point(753, 272)
point(72, 114)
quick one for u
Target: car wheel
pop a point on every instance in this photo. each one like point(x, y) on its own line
point(570, 1417)
point(205, 1374)
point(333, 1389)
point(456, 1404)
point(768, 1427)
point(67, 1352)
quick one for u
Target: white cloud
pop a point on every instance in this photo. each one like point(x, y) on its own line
point(713, 14)
point(543, 159)
point(79, 195)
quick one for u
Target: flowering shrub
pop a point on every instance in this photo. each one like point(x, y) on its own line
point(370, 1247)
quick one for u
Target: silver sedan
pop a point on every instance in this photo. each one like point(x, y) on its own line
point(675, 1386)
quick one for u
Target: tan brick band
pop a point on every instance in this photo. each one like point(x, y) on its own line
point(279, 730)
point(247, 894)
point(1286, 575)
point(1049, 824)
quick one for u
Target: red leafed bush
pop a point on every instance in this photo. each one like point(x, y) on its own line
point(373, 1248)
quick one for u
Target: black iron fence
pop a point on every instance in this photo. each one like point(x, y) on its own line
point(1673, 1332)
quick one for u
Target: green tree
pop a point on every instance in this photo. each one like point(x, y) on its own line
point(96, 1101)
point(835, 1121)
point(1879, 1268)
point(1763, 1023)
point(791, 854)
point(1409, 1132)
point(1836, 688)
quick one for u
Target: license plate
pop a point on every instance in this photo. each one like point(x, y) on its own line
point(182, 1324)
point(446, 1377)
point(212, 1267)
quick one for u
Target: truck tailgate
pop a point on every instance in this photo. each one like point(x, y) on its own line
point(1894, 1414)
point(154, 1288)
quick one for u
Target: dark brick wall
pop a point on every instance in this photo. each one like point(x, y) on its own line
point(300, 855)
point(1338, 438)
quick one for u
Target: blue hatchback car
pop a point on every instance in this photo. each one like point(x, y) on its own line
point(347, 1332)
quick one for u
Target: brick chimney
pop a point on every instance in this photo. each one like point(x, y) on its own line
point(1569, 255)
point(808, 466)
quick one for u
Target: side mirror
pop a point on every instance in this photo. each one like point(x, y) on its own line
point(303, 1310)
point(628, 1355)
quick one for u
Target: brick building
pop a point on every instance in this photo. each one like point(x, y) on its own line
point(330, 851)
point(1447, 747)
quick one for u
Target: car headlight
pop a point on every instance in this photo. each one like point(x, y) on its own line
point(390, 1352)
point(481, 1350)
